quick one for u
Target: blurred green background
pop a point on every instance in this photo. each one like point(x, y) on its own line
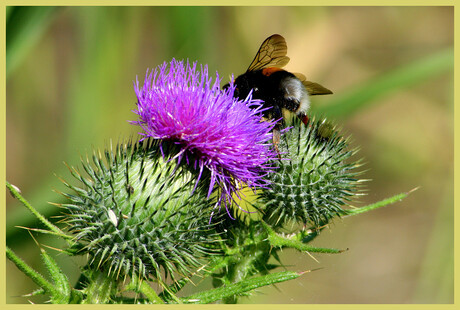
point(69, 89)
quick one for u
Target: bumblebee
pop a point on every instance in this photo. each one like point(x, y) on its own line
point(279, 89)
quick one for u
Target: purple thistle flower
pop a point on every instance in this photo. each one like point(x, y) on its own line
point(217, 132)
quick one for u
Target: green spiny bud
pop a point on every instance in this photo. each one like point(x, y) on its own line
point(314, 182)
point(139, 214)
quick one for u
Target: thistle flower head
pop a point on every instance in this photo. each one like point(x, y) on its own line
point(132, 219)
point(318, 181)
point(181, 105)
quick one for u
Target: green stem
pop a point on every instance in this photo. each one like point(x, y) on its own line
point(100, 289)
point(245, 267)
point(36, 277)
point(240, 287)
point(144, 288)
point(40, 217)
point(61, 282)
point(279, 241)
point(379, 204)
point(150, 293)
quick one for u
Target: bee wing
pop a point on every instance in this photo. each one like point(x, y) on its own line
point(272, 53)
point(312, 87)
point(316, 89)
point(300, 76)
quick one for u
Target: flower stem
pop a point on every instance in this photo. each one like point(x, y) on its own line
point(279, 241)
point(379, 204)
point(100, 289)
point(241, 287)
point(31, 273)
point(40, 217)
point(141, 286)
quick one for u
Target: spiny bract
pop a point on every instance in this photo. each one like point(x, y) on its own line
point(139, 214)
point(314, 181)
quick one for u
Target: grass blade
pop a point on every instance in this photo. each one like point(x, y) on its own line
point(419, 71)
point(24, 27)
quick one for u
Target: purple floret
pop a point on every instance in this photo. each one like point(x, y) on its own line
point(227, 136)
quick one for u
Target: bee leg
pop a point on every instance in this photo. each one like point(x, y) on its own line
point(304, 118)
point(276, 139)
point(277, 114)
